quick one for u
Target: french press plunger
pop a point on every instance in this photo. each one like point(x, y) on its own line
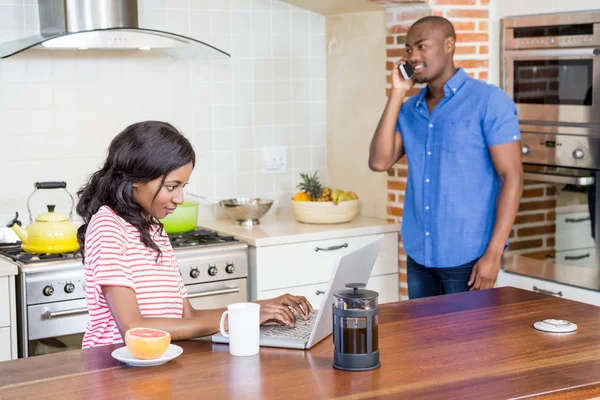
point(355, 329)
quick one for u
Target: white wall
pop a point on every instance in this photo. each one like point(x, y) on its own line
point(59, 110)
point(505, 8)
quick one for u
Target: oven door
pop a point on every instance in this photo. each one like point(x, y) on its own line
point(554, 85)
point(211, 295)
point(557, 228)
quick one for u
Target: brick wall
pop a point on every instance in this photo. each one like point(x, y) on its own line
point(470, 20)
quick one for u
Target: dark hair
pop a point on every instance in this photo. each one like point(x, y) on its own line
point(439, 22)
point(142, 152)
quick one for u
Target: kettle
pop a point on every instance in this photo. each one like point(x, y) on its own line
point(356, 329)
point(52, 232)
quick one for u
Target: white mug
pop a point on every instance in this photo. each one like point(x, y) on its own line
point(244, 328)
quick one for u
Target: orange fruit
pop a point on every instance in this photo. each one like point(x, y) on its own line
point(301, 196)
point(146, 343)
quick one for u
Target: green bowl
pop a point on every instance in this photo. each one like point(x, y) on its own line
point(184, 219)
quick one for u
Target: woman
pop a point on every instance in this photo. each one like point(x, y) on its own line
point(131, 274)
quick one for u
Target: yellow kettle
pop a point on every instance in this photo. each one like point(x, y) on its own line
point(52, 232)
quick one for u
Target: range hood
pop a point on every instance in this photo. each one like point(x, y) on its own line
point(103, 25)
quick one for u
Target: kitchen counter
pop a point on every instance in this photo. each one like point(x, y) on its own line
point(285, 229)
point(469, 345)
point(7, 269)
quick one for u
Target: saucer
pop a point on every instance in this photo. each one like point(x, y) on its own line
point(124, 355)
point(555, 326)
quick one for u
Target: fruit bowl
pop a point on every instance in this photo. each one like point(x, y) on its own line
point(324, 212)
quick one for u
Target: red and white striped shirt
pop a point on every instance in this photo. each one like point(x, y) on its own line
point(115, 256)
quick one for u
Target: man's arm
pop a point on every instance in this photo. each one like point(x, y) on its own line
point(507, 162)
point(386, 146)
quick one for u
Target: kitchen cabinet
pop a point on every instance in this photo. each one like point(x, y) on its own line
point(547, 287)
point(300, 270)
point(8, 322)
point(282, 256)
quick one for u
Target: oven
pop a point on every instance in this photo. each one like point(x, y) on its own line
point(551, 67)
point(51, 306)
point(556, 230)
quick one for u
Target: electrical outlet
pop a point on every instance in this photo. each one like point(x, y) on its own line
point(274, 160)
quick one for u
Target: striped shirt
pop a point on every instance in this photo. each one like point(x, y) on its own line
point(115, 256)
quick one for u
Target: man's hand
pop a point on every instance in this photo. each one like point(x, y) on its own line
point(398, 82)
point(485, 272)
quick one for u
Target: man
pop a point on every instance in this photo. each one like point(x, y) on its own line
point(465, 178)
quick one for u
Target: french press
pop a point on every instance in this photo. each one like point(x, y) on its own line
point(355, 329)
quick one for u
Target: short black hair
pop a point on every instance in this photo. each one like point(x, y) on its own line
point(439, 22)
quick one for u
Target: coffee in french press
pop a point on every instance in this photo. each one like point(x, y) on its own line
point(356, 329)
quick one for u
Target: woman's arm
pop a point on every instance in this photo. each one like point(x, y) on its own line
point(125, 310)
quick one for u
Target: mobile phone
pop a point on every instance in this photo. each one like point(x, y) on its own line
point(406, 71)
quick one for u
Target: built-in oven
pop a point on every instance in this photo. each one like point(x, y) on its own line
point(551, 66)
point(556, 230)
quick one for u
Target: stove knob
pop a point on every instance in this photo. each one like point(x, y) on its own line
point(212, 271)
point(525, 150)
point(578, 154)
point(48, 290)
point(230, 268)
point(194, 273)
point(69, 288)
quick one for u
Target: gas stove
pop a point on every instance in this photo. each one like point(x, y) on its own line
point(51, 287)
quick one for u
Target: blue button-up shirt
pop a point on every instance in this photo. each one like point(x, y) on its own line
point(453, 187)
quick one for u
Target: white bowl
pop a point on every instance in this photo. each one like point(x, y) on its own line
point(324, 212)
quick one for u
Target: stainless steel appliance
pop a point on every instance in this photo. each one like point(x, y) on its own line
point(551, 69)
point(52, 310)
point(551, 66)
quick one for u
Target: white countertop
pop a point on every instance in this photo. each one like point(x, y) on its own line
point(7, 268)
point(285, 229)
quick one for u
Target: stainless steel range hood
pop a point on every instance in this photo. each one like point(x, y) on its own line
point(104, 25)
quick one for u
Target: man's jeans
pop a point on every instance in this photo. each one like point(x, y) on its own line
point(425, 282)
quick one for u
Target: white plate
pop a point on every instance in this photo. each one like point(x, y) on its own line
point(124, 355)
point(555, 326)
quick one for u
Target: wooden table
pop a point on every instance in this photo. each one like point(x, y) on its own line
point(477, 345)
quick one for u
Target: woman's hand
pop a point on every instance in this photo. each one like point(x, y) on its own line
point(279, 309)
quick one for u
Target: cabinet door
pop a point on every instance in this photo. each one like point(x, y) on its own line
point(385, 285)
point(310, 263)
point(315, 294)
point(547, 287)
point(5, 345)
point(5, 302)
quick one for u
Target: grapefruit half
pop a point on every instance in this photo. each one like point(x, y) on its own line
point(147, 343)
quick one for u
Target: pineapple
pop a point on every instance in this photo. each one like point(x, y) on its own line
point(326, 196)
point(311, 186)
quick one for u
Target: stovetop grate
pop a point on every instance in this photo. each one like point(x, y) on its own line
point(196, 238)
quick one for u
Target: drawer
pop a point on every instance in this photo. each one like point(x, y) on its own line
point(568, 292)
point(5, 302)
point(63, 318)
point(573, 231)
point(5, 344)
point(579, 257)
point(301, 264)
point(385, 285)
point(315, 294)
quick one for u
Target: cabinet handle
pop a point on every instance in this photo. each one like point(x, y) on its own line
point(573, 220)
point(332, 248)
point(66, 313)
point(318, 292)
point(536, 289)
point(577, 257)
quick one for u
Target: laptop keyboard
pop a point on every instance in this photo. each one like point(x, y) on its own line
point(302, 330)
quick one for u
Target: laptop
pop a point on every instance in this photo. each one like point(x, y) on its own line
point(354, 267)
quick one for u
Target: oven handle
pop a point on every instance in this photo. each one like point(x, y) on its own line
point(214, 292)
point(526, 53)
point(66, 313)
point(554, 178)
